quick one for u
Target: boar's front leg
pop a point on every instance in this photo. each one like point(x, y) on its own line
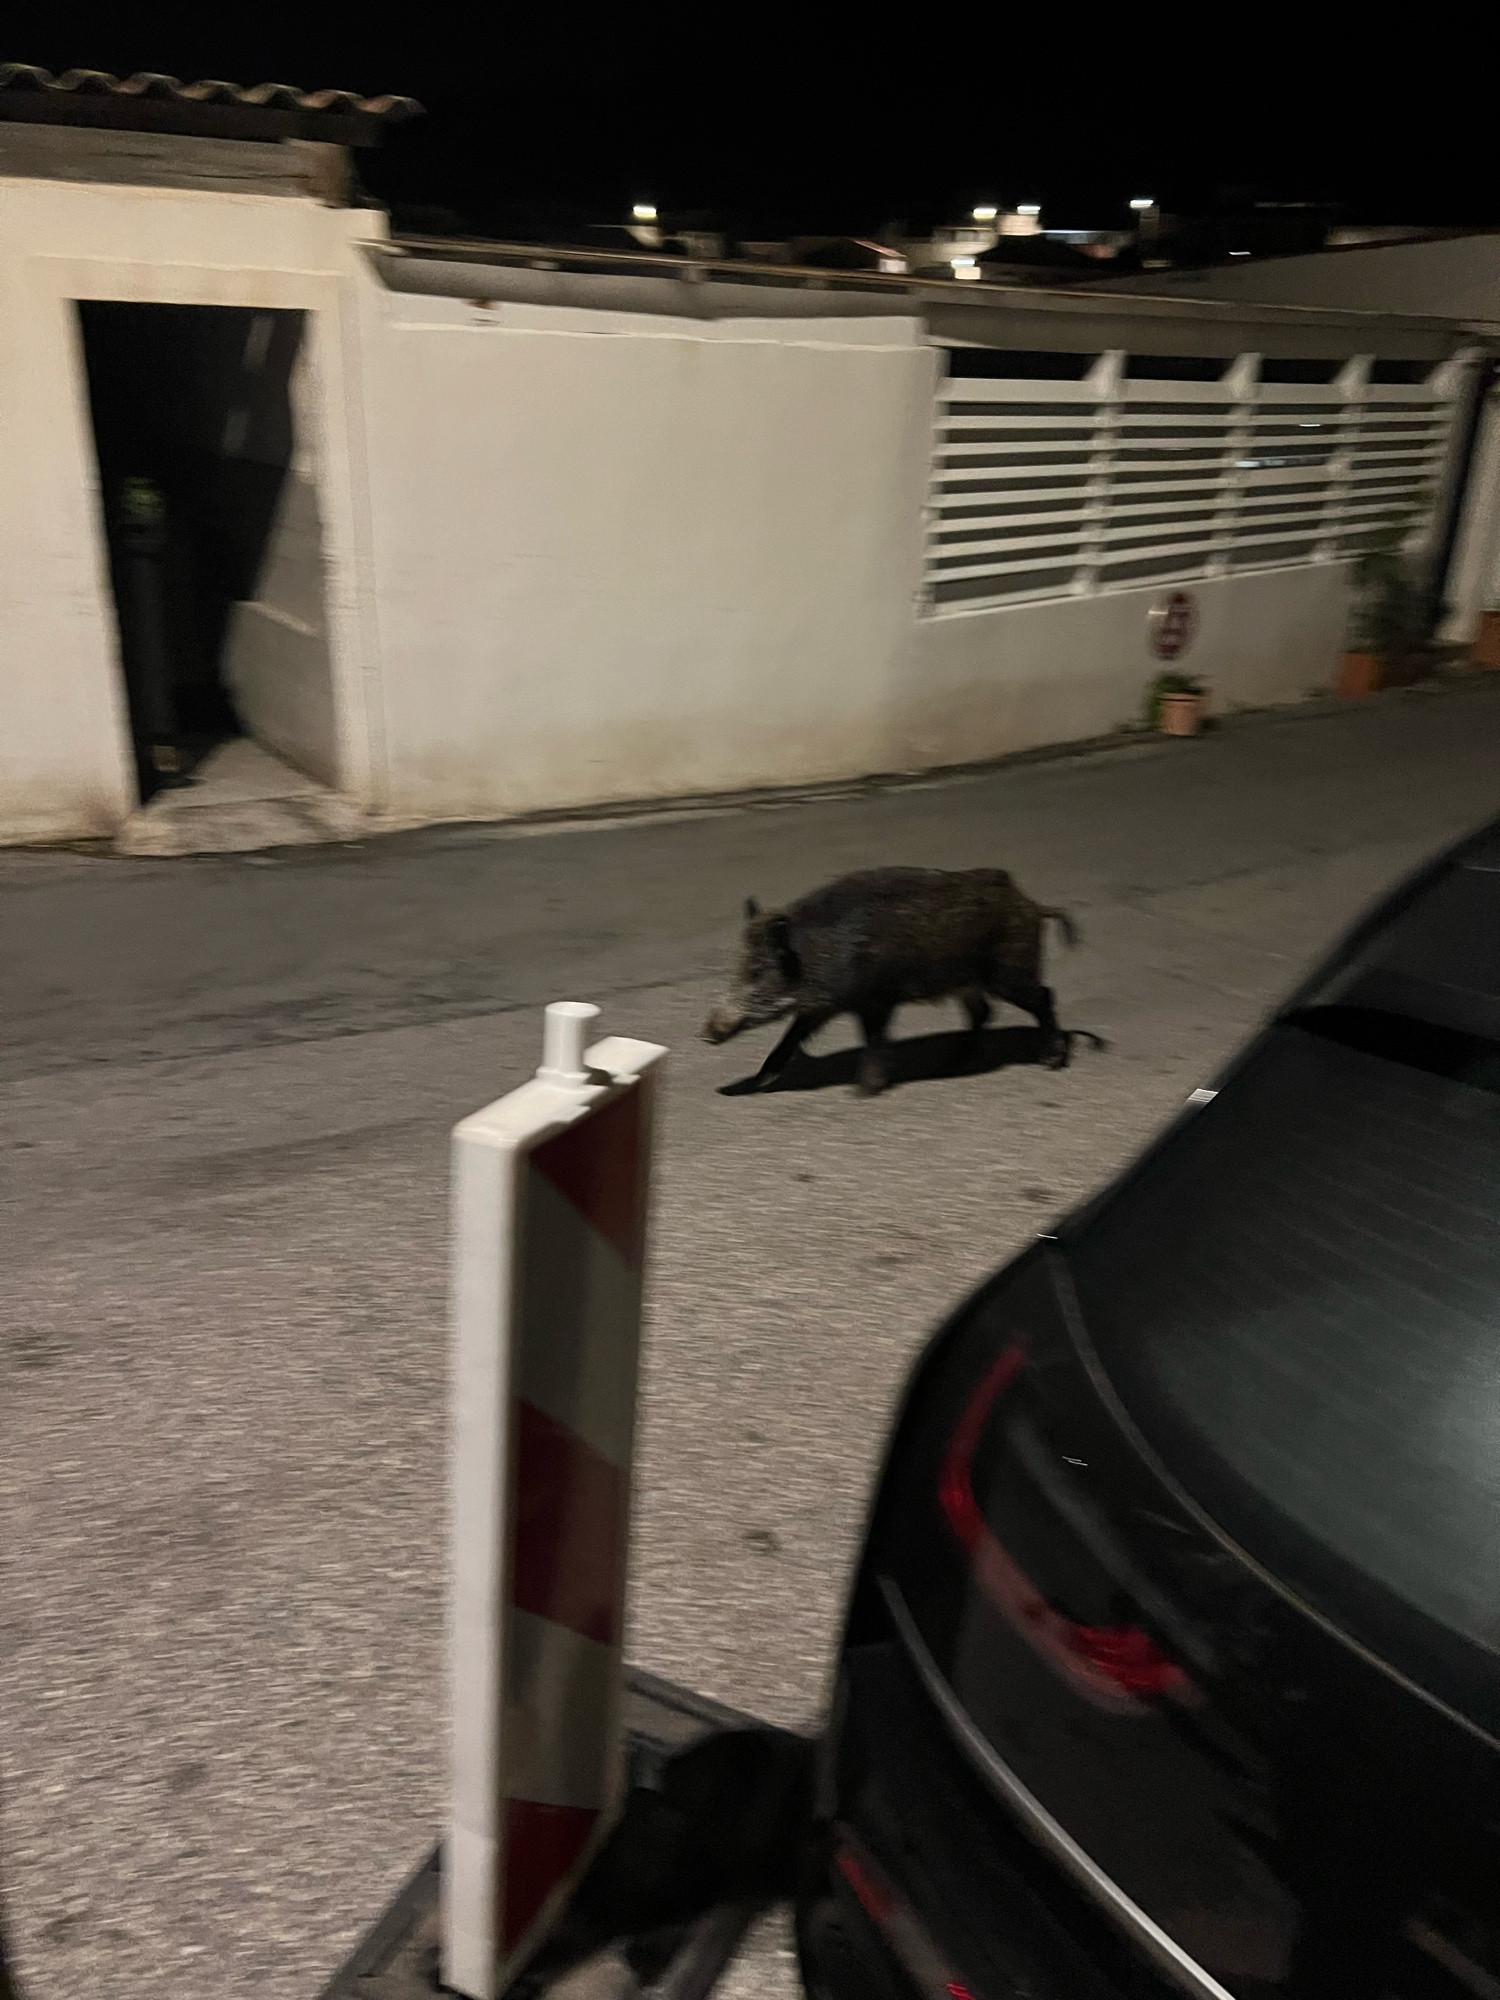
point(874, 1061)
point(802, 1026)
point(977, 1007)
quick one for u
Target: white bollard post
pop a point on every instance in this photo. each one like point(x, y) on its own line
point(563, 1029)
point(550, 1188)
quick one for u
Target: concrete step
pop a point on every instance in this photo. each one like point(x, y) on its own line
point(242, 799)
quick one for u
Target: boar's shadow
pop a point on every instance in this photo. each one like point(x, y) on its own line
point(916, 1059)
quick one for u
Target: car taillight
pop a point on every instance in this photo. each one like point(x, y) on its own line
point(897, 1923)
point(1128, 1658)
point(1114, 1664)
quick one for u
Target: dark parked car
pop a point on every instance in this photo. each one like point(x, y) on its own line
point(1171, 1660)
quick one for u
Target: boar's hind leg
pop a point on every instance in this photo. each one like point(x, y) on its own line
point(802, 1026)
point(874, 1061)
point(1037, 999)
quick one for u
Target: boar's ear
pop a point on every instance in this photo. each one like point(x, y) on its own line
point(752, 909)
point(779, 933)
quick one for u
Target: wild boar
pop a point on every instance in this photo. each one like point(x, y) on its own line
point(872, 942)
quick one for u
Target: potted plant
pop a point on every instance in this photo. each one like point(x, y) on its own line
point(1486, 651)
point(1391, 620)
point(1174, 704)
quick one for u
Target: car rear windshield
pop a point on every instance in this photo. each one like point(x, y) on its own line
point(1439, 959)
point(1298, 1303)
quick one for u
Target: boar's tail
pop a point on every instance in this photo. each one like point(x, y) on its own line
point(1065, 924)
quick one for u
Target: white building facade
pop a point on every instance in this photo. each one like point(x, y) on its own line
point(515, 540)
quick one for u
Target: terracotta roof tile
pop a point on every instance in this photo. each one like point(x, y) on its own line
point(152, 101)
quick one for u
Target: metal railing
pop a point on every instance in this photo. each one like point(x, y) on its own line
point(1054, 489)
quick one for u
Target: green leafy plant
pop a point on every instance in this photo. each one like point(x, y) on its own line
point(1395, 610)
point(1165, 684)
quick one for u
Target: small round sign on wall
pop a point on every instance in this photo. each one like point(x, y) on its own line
point(1172, 624)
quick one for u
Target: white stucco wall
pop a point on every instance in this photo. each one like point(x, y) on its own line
point(985, 683)
point(65, 767)
point(63, 755)
point(621, 556)
point(1474, 578)
point(277, 664)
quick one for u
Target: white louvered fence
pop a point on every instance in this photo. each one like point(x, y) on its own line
point(1059, 488)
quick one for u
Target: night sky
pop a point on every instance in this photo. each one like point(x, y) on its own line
point(775, 128)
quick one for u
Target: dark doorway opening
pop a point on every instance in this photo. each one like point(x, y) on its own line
point(192, 421)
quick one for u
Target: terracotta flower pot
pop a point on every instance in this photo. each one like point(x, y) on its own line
point(1486, 651)
point(1360, 673)
point(1181, 714)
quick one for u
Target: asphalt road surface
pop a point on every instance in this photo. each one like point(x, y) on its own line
point(225, 1092)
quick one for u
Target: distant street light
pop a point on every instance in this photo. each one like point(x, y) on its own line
point(1028, 208)
point(1142, 201)
point(644, 211)
point(986, 212)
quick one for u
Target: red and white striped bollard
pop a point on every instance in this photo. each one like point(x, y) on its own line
point(550, 1189)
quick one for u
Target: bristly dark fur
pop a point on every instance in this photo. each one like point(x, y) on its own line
point(882, 939)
